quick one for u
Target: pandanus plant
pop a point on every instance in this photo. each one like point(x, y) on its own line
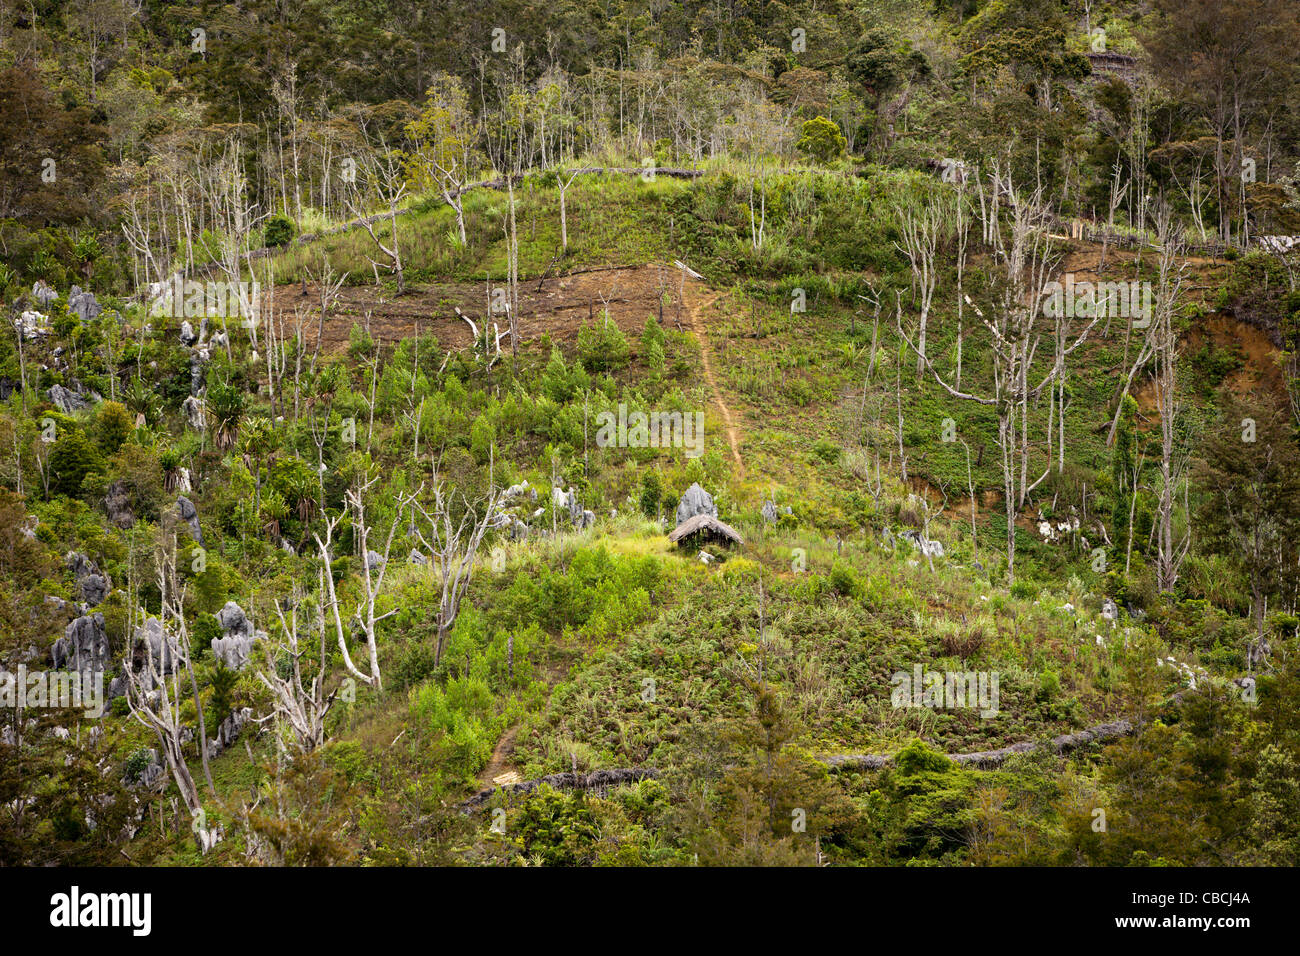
point(170, 460)
point(225, 408)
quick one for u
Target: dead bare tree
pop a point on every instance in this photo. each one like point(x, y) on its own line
point(757, 224)
point(1027, 260)
point(303, 707)
point(961, 222)
point(1174, 460)
point(922, 221)
point(1144, 354)
point(154, 698)
point(564, 185)
point(453, 541)
point(512, 276)
point(387, 180)
point(926, 517)
point(224, 185)
point(372, 579)
point(328, 286)
point(970, 487)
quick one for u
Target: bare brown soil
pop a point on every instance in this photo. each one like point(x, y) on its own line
point(558, 306)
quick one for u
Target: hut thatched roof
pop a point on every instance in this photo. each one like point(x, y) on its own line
point(704, 524)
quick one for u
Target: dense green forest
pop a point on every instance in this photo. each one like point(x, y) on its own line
point(634, 433)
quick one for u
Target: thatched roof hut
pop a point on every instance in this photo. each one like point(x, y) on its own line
point(707, 526)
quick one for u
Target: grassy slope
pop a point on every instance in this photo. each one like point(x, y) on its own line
point(638, 611)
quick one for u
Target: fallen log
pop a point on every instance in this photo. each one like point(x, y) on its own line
point(597, 779)
point(988, 759)
point(981, 760)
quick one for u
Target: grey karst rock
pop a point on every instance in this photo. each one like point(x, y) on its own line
point(94, 588)
point(83, 305)
point(696, 501)
point(32, 325)
point(193, 409)
point(235, 646)
point(93, 584)
point(587, 520)
point(229, 730)
point(220, 339)
point(190, 515)
point(66, 400)
point(233, 620)
point(84, 645)
point(116, 687)
point(198, 369)
point(563, 499)
point(188, 335)
point(8, 386)
point(416, 557)
point(374, 560)
point(151, 774)
point(286, 547)
point(57, 603)
point(43, 293)
point(923, 544)
point(769, 512)
point(518, 530)
point(183, 480)
point(523, 489)
point(117, 504)
point(1258, 654)
point(233, 651)
point(162, 648)
point(1109, 610)
point(568, 500)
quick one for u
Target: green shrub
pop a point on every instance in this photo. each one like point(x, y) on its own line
point(827, 450)
point(278, 231)
point(113, 425)
point(843, 581)
point(603, 347)
point(557, 828)
point(71, 460)
point(822, 140)
point(203, 632)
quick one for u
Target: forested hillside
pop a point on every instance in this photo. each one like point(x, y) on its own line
point(633, 433)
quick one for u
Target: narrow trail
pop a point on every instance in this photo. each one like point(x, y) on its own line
point(697, 326)
point(498, 772)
